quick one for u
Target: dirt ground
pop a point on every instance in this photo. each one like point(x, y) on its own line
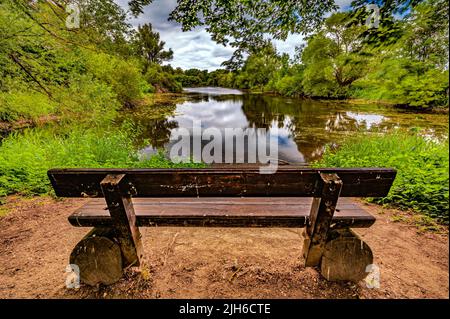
point(36, 240)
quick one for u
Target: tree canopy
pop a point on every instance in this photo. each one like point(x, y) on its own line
point(244, 24)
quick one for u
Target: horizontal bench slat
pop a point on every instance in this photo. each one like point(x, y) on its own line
point(223, 182)
point(222, 212)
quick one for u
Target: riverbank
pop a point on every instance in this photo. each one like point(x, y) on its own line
point(9, 127)
point(161, 99)
point(431, 110)
point(358, 101)
point(36, 239)
point(24, 121)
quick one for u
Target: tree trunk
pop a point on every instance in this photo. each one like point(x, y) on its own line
point(346, 257)
point(98, 257)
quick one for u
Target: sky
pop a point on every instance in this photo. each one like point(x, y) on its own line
point(195, 49)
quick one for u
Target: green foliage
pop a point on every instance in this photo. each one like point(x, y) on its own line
point(188, 80)
point(196, 77)
point(338, 61)
point(259, 68)
point(124, 77)
point(422, 181)
point(332, 58)
point(405, 82)
point(426, 36)
point(47, 69)
point(413, 71)
point(106, 24)
point(24, 105)
point(162, 81)
point(26, 157)
point(225, 79)
point(84, 76)
point(87, 99)
point(288, 85)
point(245, 23)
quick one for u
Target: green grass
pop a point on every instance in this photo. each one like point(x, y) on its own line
point(26, 157)
point(422, 182)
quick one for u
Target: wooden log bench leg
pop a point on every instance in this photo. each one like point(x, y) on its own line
point(341, 254)
point(104, 252)
point(98, 257)
point(345, 257)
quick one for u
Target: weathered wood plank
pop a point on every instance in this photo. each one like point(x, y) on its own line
point(344, 202)
point(123, 219)
point(223, 182)
point(223, 212)
point(322, 211)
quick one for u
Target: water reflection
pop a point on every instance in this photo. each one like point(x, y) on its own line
point(212, 113)
point(304, 127)
point(366, 120)
point(213, 91)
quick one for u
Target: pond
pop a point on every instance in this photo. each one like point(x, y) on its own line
point(303, 127)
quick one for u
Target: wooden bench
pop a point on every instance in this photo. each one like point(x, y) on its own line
point(224, 197)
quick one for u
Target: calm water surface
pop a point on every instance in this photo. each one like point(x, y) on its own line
point(304, 127)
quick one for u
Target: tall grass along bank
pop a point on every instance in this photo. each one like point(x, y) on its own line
point(422, 182)
point(26, 157)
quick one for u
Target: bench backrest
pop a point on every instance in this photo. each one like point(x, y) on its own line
point(223, 182)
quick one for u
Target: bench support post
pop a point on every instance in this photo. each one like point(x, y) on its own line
point(322, 211)
point(123, 218)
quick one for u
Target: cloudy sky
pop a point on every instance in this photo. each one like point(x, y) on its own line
point(195, 49)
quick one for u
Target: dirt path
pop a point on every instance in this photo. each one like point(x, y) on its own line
point(36, 240)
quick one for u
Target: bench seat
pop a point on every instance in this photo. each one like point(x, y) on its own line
point(223, 212)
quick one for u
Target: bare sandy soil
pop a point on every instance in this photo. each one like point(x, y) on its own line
point(36, 240)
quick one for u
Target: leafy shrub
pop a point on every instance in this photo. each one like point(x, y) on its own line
point(123, 76)
point(25, 158)
point(405, 82)
point(87, 99)
point(425, 90)
point(318, 81)
point(288, 85)
point(162, 80)
point(422, 181)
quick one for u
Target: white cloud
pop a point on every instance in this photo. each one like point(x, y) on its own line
point(192, 49)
